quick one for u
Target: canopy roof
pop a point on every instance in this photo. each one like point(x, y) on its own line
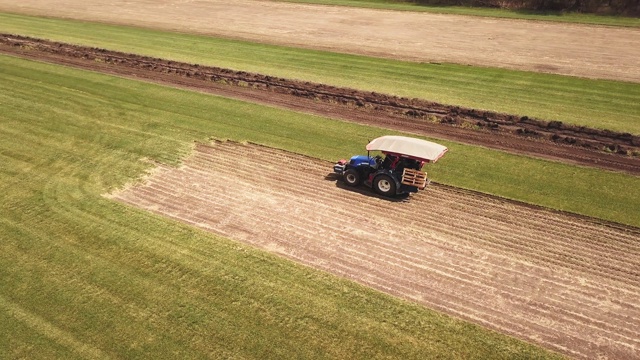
point(415, 148)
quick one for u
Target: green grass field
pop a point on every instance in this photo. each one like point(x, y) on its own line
point(486, 12)
point(595, 103)
point(84, 277)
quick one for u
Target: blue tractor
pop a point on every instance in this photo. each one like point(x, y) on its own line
point(398, 172)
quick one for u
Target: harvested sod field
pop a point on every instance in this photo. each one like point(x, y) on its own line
point(601, 104)
point(524, 271)
point(568, 49)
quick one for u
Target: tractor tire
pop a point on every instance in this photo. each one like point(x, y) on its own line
point(384, 185)
point(352, 177)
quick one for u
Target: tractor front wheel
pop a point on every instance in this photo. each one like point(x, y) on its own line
point(384, 185)
point(352, 177)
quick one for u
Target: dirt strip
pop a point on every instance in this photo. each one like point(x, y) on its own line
point(568, 283)
point(551, 140)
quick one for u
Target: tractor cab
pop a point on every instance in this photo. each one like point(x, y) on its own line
point(399, 172)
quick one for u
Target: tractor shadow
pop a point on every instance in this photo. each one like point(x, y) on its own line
point(364, 190)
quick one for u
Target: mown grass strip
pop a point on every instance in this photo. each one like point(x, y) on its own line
point(595, 103)
point(80, 274)
point(555, 16)
point(157, 116)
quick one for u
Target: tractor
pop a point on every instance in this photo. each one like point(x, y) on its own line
point(398, 172)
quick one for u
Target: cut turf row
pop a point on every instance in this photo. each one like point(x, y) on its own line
point(576, 145)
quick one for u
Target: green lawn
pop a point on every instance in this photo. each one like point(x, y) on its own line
point(595, 103)
point(479, 11)
point(85, 277)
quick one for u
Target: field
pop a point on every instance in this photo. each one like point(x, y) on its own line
point(82, 275)
point(421, 37)
point(596, 103)
point(131, 228)
point(519, 270)
point(522, 135)
point(188, 116)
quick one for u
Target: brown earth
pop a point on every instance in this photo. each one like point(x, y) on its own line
point(551, 140)
point(565, 282)
point(579, 50)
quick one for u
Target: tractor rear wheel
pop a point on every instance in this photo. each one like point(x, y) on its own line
point(384, 185)
point(352, 177)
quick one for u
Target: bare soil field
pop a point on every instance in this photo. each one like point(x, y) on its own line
point(579, 50)
point(566, 282)
point(547, 139)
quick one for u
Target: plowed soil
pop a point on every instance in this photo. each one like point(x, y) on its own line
point(587, 51)
point(569, 283)
point(523, 135)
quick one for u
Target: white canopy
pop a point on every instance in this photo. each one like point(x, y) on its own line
point(414, 148)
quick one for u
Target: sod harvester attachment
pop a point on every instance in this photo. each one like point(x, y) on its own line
point(399, 172)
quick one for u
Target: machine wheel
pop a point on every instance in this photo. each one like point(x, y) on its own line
point(384, 185)
point(352, 177)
